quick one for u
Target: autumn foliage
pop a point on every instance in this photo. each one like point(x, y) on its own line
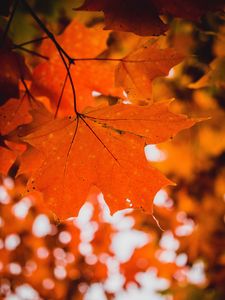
point(101, 194)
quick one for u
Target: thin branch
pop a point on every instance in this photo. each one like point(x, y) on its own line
point(60, 50)
point(30, 52)
point(27, 91)
point(47, 31)
point(71, 82)
point(9, 22)
point(31, 41)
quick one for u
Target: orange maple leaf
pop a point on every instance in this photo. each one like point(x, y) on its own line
point(105, 148)
point(137, 70)
point(12, 114)
point(79, 42)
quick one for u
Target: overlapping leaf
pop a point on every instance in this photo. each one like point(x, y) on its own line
point(13, 113)
point(139, 17)
point(88, 76)
point(143, 16)
point(138, 69)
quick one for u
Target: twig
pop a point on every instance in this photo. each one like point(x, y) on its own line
point(30, 52)
point(9, 22)
point(60, 50)
point(47, 31)
point(32, 41)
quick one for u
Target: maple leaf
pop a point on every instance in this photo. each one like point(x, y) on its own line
point(13, 113)
point(138, 69)
point(143, 16)
point(7, 156)
point(30, 155)
point(105, 148)
point(79, 42)
point(9, 151)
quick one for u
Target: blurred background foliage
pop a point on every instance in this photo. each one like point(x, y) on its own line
point(196, 159)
